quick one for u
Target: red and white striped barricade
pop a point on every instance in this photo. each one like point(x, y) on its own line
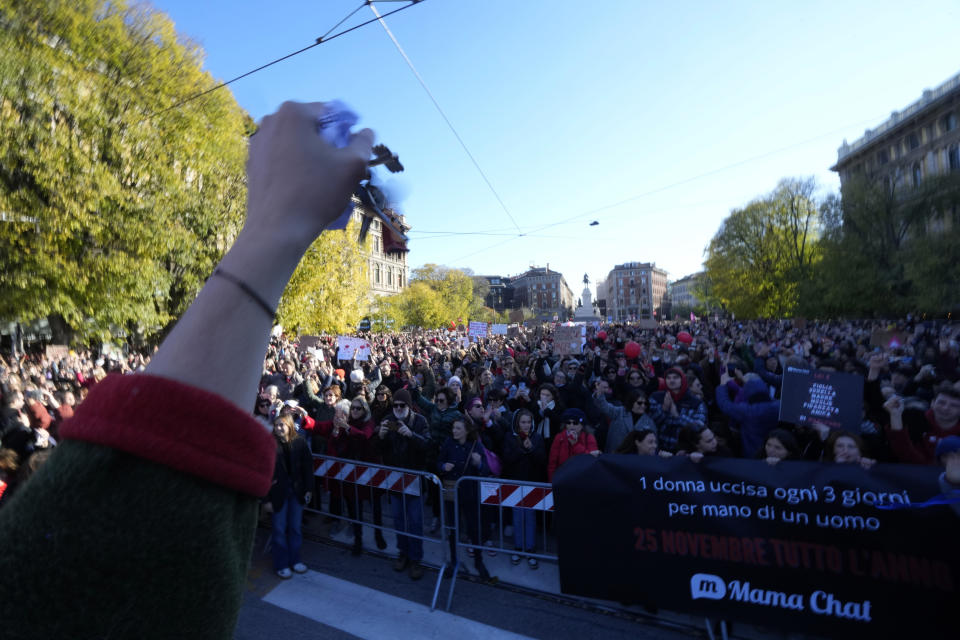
point(367, 475)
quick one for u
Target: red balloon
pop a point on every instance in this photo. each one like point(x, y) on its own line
point(631, 349)
point(602, 335)
point(684, 337)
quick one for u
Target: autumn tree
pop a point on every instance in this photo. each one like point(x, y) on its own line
point(330, 289)
point(117, 200)
point(435, 295)
point(763, 253)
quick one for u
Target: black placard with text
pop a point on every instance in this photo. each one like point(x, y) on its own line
point(801, 546)
point(830, 397)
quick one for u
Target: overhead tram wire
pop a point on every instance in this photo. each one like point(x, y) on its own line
point(443, 115)
point(670, 186)
point(321, 40)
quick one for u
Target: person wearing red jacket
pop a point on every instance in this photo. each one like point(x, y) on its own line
point(572, 441)
point(935, 424)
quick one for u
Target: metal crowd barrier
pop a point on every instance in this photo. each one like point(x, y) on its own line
point(371, 482)
point(495, 495)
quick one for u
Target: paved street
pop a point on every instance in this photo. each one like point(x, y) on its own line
point(362, 597)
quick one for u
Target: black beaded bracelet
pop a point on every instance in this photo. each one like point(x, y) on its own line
point(246, 289)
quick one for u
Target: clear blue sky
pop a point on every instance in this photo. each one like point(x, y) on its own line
point(687, 110)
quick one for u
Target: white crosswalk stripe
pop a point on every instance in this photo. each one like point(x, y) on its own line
point(334, 602)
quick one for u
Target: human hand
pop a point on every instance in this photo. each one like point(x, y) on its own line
point(894, 406)
point(866, 463)
point(404, 430)
point(448, 466)
point(772, 460)
point(665, 454)
point(383, 431)
point(267, 507)
point(307, 496)
point(667, 401)
point(475, 457)
point(297, 183)
point(822, 430)
point(595, 453)
point(696, 456)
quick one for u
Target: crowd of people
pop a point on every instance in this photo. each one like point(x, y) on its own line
point(510, 406)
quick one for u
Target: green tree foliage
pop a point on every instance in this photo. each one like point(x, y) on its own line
point(114, 209)
point(330, 290)
point(890, 248)
point(763, 253)
point(435, 296)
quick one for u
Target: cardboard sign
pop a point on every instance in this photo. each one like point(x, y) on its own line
point(516, 316)
point(498, 330)
point(478, 330)
point(830, 397)
point(513, 331)
point(57, 351)
point(567, 340)
point(647, 324)
point(829, 550)
point(308, 342)
point(350, 346)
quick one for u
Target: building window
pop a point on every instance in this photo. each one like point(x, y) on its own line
point(376, 274)
point(400, 280)
point(953, 158)
point(913, 141)
point(883, 157)
point(916, 174)
point(949, 122)
point(389, 277)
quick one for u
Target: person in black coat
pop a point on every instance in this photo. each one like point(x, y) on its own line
point(290, 490)
point(524, 458)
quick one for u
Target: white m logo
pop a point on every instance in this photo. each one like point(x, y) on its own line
point(706, 585)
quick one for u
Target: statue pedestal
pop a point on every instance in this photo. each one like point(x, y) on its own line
point(586, 313)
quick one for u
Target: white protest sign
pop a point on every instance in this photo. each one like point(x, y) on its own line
point(478, 329)
point(350, 346)
point(498, 330)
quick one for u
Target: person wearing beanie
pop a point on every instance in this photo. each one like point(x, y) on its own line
point(674, 408)
point(948, 453)
point(574, 440)
point(402, 439)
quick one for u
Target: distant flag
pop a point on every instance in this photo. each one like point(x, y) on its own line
point(693, 318)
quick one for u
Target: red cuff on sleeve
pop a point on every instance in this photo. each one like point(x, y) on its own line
point(179, 426)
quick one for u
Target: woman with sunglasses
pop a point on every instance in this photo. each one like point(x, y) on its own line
point(382, 403)
point(632, 416)
point(574, 440)
point(351, 438)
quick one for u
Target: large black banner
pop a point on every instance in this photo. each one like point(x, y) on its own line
point(825, 548)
